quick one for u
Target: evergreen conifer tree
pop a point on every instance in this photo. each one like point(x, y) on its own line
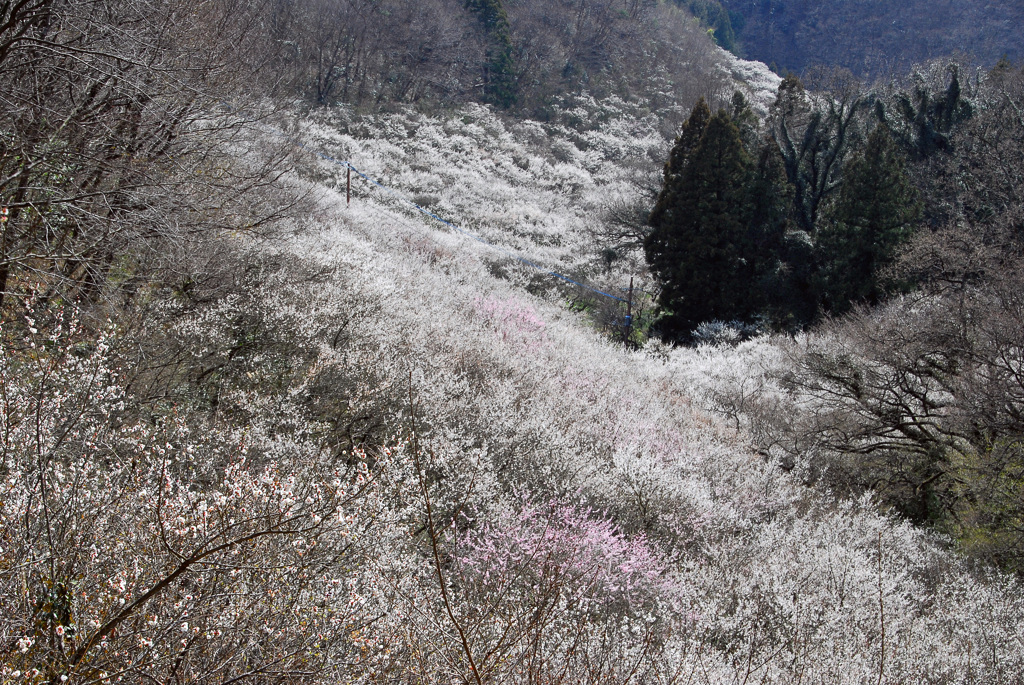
point(499, 70)
point(700, 247)
point(745, 119)
point(686, 143)
point(875, 213)
point(782, 256)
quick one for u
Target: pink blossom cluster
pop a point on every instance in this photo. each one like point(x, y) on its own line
point(514, 321)
point(561, 548)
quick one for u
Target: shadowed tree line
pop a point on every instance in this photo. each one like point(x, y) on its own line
point(889, 225)
point(781, 222)
point(515, 55)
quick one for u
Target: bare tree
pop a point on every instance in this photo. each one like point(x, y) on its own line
point(815, 132)
point(114, 136)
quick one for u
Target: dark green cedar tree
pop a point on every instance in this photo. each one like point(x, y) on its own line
point(875, 213)
point(783, 291)
point(700, 248)
point(686, 142)
point(745, 119)
point(499, 69)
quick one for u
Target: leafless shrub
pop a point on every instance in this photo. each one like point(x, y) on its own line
point(114, 140)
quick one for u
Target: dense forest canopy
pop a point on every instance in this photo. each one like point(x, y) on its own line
point(517, 55)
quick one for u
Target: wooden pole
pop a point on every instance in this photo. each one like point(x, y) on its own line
point(348, 186)
point(629, 312)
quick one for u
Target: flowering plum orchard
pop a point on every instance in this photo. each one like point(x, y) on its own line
point(382, 452)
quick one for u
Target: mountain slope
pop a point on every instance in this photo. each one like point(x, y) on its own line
point(876, 38)
point(252, 432)
point(769, 578)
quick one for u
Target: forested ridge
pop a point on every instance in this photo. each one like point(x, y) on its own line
point(872, 39)
point(316, 364)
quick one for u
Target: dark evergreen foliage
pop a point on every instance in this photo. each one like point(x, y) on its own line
point(876, 213)
point(718, 19)
point(745, 119)
point(686, 143)
point(782, 290)
point(702, 248)
point(778, 226)
point(499, 70)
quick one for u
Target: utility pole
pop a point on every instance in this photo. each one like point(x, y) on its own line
point(348, 185)
point(629, 312)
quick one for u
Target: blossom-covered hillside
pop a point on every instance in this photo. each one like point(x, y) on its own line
point(379, 450)
point(539, 430)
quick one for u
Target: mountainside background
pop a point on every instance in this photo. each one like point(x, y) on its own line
point(871, 39)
